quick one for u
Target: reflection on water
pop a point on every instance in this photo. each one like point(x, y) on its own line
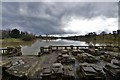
point(32, 48)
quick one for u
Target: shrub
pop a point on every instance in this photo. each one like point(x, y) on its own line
point(27, 37)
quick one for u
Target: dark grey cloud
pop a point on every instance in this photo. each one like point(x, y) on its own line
point(51, 17)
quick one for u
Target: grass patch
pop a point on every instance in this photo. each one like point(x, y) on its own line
point(10, 40)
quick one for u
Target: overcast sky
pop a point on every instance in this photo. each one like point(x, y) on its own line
point(60, 17)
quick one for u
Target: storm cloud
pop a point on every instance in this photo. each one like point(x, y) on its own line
point(52, 17)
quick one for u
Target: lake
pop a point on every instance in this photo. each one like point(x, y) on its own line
point(32, 47)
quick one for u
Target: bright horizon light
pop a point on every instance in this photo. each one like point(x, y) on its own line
point(97, 24)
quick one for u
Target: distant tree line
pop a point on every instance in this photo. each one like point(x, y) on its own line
point(47, 37)
point(15, 33)
point(103, 37)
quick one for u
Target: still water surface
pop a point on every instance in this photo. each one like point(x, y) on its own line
point(32, 48)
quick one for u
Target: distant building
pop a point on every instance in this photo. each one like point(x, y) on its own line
point(114, 32)
point(118, 31)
